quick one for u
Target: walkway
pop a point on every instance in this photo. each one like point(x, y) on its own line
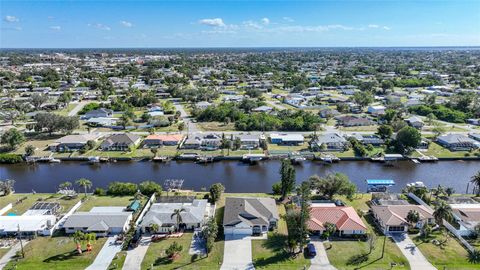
point(320, 262)
point(190, 126)
point(411, 252)
point(135, 256)
point(11, 253)
point(77, 108)
point(198, 245)
point(237, 254)
point(106, 255)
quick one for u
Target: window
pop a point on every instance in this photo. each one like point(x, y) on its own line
point(396, 229)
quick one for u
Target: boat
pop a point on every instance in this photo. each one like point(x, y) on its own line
point(417, 184)
point(296, 158)
point(160, 159)
point(54, 160)
point(428, 159)
point(204, 159)
point(414, 160)
point(252, 158)
point(379, 185)
point(93, 160)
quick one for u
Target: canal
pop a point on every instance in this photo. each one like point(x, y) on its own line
point(236, 176)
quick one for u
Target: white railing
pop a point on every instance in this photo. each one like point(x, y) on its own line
point(145, 209)
point(460, 238)
point(5, 209)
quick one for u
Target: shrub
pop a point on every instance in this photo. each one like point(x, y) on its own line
point(277, 188)
point(99, 192)
point(10, 158)
point(149, 187)
point(122, 189)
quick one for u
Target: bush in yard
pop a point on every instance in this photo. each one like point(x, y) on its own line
point(122, 189)
point(10, 158)
point(173, 250)
point(99, 192)
point(149, 187)
point(277, 188)
point(216, 191)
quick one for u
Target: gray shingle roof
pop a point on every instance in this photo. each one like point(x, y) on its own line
point(97, 220)
point(253, 211)
point(161, 213)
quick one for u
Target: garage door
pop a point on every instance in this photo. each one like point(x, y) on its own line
point(233, 230)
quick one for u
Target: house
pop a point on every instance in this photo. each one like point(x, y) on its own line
point(353, 121)
point(102, 221)
point(120, 142)
point(202, 105)
point(73, 142)
point(458, 142)
point(102, 112)
point(393, 218)
point(475, 136)
point(329, 142)
point(102, 121)
point(376, 110)
point(415, 122)
point(248, 141)
point(466, 213)
point(264, 109)
point(154, 140)
point(194, 215)
point(248, 216)
point(345, 218)
point(472, 121)
point(373, 139)
point(327, 113)
point(286, 139)
point(210, 141)
point(26, 224)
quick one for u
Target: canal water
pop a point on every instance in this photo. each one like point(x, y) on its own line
point(235, 176)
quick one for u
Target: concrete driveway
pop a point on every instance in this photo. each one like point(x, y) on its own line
point(411, 252)
point(237, 254)
point(135, 256)
point(106, 255)
point(320, 262)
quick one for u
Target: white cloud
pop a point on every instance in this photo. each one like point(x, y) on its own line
point(265, 20)
point(288, 19)
point(126, 24)
point(386, 28)
point(56, 28)
point(50, 17)
point(100, 26)
point(10, 19)
point(17, 28)
point(252, 24)
point(216, 22)
point(376, 26)
point(373, 26)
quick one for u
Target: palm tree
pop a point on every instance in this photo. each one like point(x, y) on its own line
point(413, 217)
point(65, 185)
point(474, 256)
point(442, 211)
point(85, 183)
point(154, 227)
point(177, 213)
point(476, 181)
point(89, 237)
point(78, 237)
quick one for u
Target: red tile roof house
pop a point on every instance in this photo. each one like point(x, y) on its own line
point(159, 140)
point(345, 218)
point(393, 218)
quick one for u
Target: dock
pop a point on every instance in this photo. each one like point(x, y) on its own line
point(161, 159)
point(379, 185)
point(205, 159)
point(253, 158)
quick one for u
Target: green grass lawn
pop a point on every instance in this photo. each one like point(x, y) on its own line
point(440, 152)
point(270, 253)
point(215, 126)
point(452, 255)
point(55, 253)
point(30, 199)
point(286, 148)
point(118, 261)
point(67, 109)
point(93, 201)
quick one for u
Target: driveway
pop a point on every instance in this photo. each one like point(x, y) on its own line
point(411, 252)
point(198, 245)
point(106, 255)
point(77, 108)
point(11, 253)
point(135, 256)
point(237, 254)
point(191, 127)
point(320, 262)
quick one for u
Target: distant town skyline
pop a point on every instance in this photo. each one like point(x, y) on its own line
point(128, 24)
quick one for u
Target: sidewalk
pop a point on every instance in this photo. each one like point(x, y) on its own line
point(11, 253)
point(411, 252)
point(135, 256)
point(106, 255)
point(320, 262)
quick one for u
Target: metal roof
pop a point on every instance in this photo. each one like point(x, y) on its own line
point(380, 182)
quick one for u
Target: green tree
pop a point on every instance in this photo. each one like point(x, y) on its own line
point(209, 233)
point(85, 183)
point(442, 211)
point(29, 150)
point(330, 229)
point(173, 250)
point(177, 213)
point(65, 185)
point(333, 184)
point(154, 227)
point(13, 138)
point(287, 178)
point(216, 191)
point(277, 188)
point(475, 180)
point(474, 256)
point(413, 217)
point(385, 131)
point(148, 188)
point(408, 138)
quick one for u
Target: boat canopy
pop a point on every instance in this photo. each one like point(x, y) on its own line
point(380, 182)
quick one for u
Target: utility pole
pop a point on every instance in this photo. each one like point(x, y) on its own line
point(21, 243)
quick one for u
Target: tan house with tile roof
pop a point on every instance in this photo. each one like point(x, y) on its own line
point(393, 218)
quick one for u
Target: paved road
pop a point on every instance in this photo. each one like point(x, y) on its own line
point(276, 105)
point(190, 126)
point(237, 254)
point(106, 255)
point(135, 256)
point(11, 253)
point(411, 252)
point(320, 262)
point(77, 108)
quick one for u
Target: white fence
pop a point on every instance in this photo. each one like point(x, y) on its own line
point(145, 209)
point(5, 209)
point(63, 219)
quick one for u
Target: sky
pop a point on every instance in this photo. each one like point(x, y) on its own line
point(227, 23)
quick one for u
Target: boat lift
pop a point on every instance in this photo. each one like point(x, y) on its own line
point(379, 185)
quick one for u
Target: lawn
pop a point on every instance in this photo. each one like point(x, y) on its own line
point(215, 126)
point(270, 253)
point(20, 207)
point(286, 148)
point(440, 152)
point(94, 200)
point(451, 255)
point(64, 111)
point(118, 261)
point(55, 253)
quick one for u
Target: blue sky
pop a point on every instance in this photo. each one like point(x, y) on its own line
point(88, 24)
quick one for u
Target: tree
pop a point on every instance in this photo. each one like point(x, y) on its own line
point(216, 191)
point(149, 188)
point(475, 180)
point(29, 150)
point(65, 98)
point(474, 256)
point(408, 138)
point(154, 151)
point(277, 188)
point(385, 131)
point(85, 183)
point(330, 229)
point(442, 211)
point(173, 250)
point(449, 191)
point(65, 185)
point(413, 217)
point(178, 217)
point(154, 227)
point(12, 138)
point(37, 100)
point(363, 98)
point(431, 118)
point(181, 126)
point(78, 237)
point(333, 184)
point(287, 179)
point(209, 233)
point(6, 186)
point(426, 230)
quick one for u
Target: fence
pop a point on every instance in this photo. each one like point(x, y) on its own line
point(5, 209)
point(64, 218)
point(145, 209)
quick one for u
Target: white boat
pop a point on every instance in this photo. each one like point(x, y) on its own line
point(54, 160)
point(417, 184)
point(93, 160)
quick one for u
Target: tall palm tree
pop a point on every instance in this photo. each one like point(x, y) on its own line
point(65, 185)
point(476, 181)
point(85, 183)
point(78, 238)
point(178, 217)
point(442, 211)
point(154, 227)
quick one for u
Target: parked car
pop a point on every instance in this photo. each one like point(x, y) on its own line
point(311, 251)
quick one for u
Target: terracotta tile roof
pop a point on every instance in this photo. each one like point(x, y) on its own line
point(169, 137)
point(344, 218)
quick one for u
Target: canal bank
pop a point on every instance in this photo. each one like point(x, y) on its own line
point(235, 175)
